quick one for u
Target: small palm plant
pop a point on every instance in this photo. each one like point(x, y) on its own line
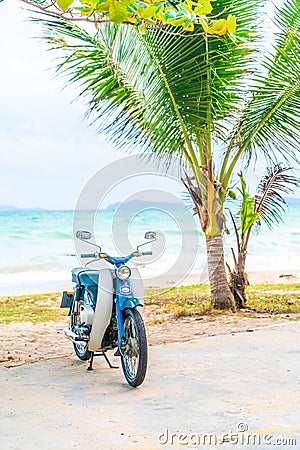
point(267, 206)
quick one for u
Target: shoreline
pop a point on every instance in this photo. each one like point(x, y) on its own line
point(163, 281)
point(256, 277)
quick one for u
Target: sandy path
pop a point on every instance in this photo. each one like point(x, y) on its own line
point(246, 382)
point(27, 342)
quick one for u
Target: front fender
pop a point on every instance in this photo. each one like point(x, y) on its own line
point(123, 302)
point(135, 296)
point(128, 302)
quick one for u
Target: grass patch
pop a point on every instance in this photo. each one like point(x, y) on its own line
point(31, 308)
point(275, 299)
point(180, 301)
point(184, 301)
point(195, 300)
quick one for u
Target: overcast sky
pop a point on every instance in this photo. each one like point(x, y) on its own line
point(47, 151)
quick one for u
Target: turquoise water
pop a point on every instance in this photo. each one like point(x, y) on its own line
point(35, 246)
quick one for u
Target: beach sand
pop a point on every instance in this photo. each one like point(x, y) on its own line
point(15, 286)
point(27, 342)
point(266, 277)
point(274, 277)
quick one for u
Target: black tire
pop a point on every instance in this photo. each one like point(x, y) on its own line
point(135, 356)
point(81, 350)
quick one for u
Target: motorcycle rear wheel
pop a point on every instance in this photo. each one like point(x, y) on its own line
point(134, 357)
point(81, 349)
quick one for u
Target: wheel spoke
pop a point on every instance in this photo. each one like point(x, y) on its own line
point(131, 353)
point(134, 358)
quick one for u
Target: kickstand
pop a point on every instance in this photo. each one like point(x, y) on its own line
point(106, 359)
point(108, 362)
point(91, 362)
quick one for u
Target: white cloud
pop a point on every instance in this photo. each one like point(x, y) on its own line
point(47, 151)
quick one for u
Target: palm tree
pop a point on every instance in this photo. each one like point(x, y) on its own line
point(204, 98)
point(267, 206)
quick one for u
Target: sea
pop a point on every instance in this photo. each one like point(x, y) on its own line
point(38, 248)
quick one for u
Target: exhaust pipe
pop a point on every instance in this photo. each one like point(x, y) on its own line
point(73, 336)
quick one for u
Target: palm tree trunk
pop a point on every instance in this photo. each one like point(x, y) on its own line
point(239, 280)
point(221, 295)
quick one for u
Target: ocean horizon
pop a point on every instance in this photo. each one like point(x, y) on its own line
point(38, 252)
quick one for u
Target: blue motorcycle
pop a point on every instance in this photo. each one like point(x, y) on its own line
point(104, 311)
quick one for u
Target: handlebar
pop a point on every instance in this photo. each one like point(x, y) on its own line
point(88, 255)
point(105, 256)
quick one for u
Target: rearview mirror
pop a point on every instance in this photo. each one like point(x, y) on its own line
point(83, 235)
point(150, 235)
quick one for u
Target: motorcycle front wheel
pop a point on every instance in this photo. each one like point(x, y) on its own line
point(135, 353)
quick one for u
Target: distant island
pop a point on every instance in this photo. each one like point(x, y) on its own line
point(11, 208)
point(8, 208)
point(143, 204)
point(132, 205)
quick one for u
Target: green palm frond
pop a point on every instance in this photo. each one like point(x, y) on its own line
point(288, 22)
point(268, 205)
point(161, 91)
point(271, 120)
point(91, 64)
point(270, 201)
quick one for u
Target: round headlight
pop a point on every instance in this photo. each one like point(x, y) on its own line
point(123, 272)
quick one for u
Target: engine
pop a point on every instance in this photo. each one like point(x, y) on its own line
point(86, 314)
point(87, 310)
